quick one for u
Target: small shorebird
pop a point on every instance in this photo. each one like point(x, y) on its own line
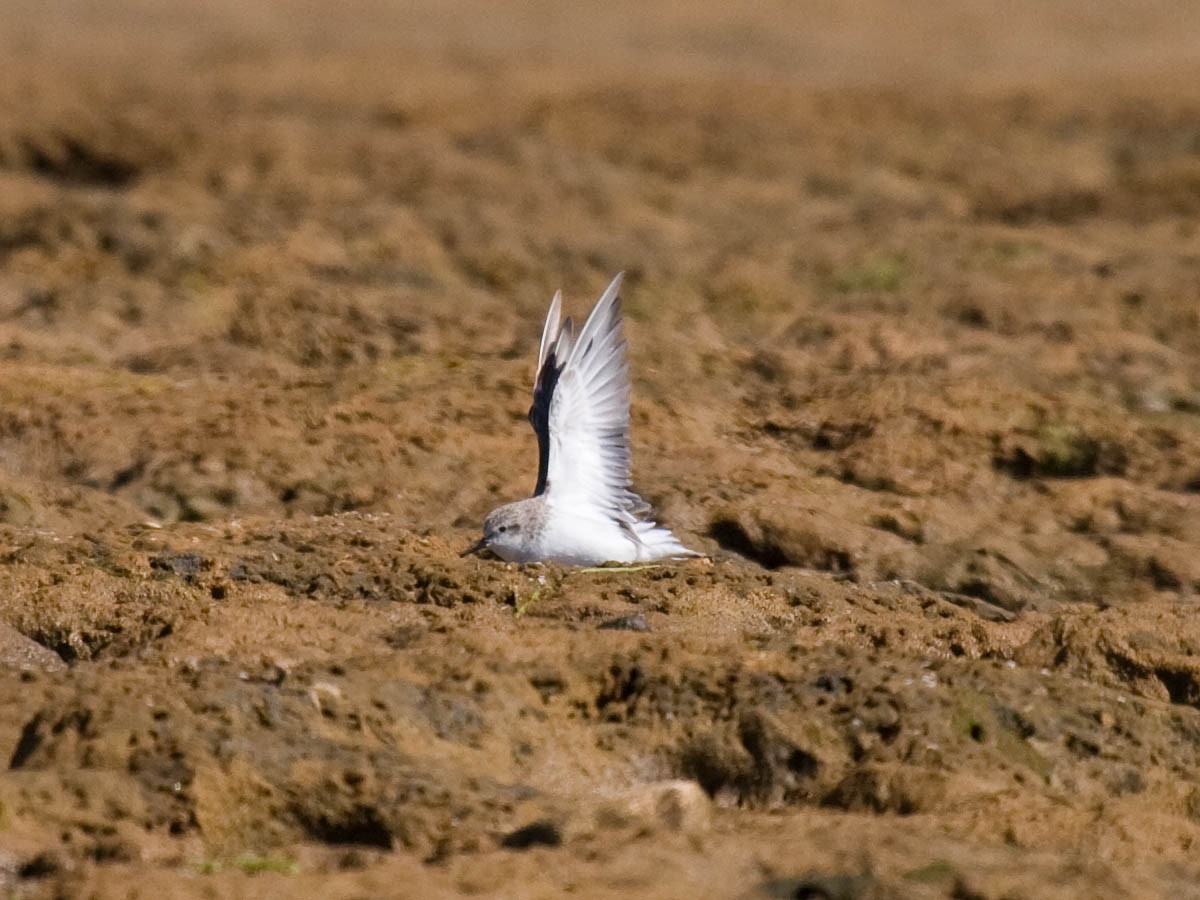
point(582, 512)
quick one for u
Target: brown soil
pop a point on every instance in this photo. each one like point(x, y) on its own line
point(914, 312)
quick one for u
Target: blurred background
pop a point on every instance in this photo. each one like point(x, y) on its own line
point(242, 245)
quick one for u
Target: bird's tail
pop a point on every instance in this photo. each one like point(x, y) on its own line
point(658, 543)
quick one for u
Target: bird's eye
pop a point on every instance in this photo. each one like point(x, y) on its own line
point(503, 528)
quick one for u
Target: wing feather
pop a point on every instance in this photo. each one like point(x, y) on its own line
point(550, 330)
point(557, 341)
point(586, 406)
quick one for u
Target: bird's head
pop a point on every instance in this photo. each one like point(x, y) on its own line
point(503, 533)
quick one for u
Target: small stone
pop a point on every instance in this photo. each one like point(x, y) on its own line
point(186, 566)
point(635, 622)
point(20, 652)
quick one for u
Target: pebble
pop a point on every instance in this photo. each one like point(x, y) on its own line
point(635, 622)
point(21, 652)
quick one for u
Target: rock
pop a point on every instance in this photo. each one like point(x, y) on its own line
point(635, 622)
point(186, 566)
point(21, 652)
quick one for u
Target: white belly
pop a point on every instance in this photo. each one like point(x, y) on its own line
point(575, 541)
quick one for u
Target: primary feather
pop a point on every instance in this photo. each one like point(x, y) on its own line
point(587, 416)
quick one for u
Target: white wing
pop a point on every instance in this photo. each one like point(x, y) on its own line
point(551, 331)
point(588, 421)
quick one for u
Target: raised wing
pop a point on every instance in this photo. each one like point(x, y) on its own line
point(581, 412)
point(552, 356)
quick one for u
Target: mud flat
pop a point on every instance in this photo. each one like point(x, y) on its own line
point(914, 316)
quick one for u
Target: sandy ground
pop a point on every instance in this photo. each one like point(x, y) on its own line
point(914, 318)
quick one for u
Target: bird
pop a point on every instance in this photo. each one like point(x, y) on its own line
point(582, 512)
